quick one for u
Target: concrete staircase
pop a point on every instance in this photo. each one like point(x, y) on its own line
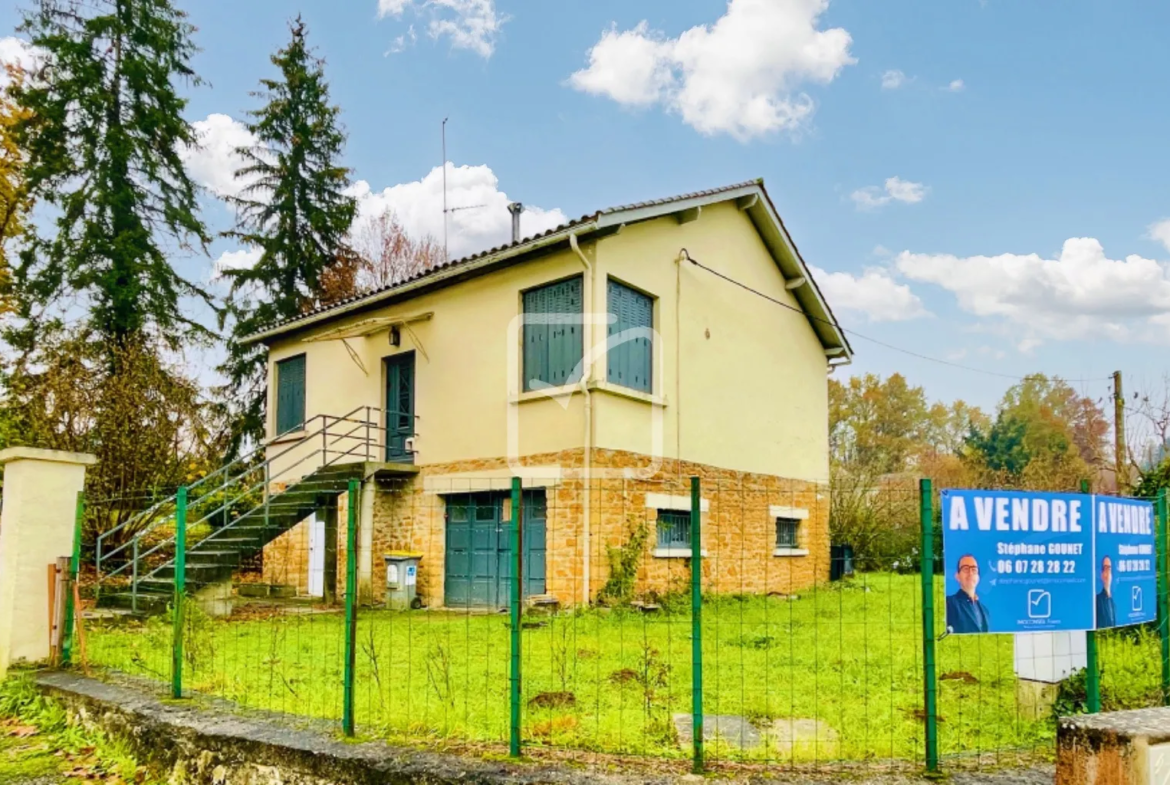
point(232, 513)
point(213, 559)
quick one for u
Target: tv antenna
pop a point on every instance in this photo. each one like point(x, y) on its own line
point(448, 210)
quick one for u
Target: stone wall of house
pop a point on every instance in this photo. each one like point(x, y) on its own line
point(286, 558)
point(739, 531)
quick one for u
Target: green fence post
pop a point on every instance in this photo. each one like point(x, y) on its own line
point(1092, 668)
point(516, 599)
point(929, 680)
point(74, 566)
point(1161, 553)
point(347, 718)
point(180, 591)
point(697, 623)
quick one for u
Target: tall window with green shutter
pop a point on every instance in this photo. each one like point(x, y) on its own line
point(630, 346)
point(290, 394)
point(553, 335)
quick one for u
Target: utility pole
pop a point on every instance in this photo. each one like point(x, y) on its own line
point(1119, 460)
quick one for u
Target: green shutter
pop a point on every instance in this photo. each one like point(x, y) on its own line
point(629, 362)
point(290, 394)
point(553, 341)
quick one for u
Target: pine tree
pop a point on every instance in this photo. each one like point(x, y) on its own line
point(14, 200)
point(294, 208)
point(102, 130)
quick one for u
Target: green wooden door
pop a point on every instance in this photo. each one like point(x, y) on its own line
point(478, 558)
point(399, 407)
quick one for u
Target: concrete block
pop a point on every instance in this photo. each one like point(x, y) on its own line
point(1035, 699)
point(36, 528)
point(1114, 748)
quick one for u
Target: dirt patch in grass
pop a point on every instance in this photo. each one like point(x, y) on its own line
point(552, 700)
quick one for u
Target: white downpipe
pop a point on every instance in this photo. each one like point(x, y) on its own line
point(586, 380)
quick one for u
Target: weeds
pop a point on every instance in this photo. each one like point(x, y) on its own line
point(623, 565)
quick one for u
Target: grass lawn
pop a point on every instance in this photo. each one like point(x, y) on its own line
point(38, 746)
point(848, 654)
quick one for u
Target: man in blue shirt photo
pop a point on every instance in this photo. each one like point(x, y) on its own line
point(1106, 611)
point(965, 613)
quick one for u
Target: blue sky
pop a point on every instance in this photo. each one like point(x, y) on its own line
point(902, 142)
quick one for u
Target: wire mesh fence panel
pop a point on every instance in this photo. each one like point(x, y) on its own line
point(813, 654)
point(440, 669)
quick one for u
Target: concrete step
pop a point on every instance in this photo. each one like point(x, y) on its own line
point(197, 573)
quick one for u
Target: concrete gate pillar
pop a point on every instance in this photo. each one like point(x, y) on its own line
point(36, 527)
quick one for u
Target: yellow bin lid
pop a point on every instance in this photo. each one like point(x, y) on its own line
point(402, 555)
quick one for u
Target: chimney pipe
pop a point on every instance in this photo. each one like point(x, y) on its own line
point(515, 208)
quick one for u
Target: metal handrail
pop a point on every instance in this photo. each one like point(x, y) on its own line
point(229, 526)
point(370, 425)
point(153, 510)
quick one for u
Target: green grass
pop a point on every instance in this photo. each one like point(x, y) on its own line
point(849, 655)
point(39, 744)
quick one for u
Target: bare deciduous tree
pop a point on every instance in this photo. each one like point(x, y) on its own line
point(388, 254)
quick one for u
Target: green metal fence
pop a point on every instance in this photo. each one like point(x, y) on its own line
point(735, 651)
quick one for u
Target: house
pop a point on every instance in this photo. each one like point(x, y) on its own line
point(708, 356)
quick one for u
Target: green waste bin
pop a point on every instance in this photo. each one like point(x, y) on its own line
point(402, 580)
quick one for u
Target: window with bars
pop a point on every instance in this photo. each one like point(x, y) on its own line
point(674, 529)
point(290, 394)
point(787, 533)
point(553, 336)
point(628, 362)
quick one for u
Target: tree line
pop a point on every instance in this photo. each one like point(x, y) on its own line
point(96, 212)
point(1044, 435)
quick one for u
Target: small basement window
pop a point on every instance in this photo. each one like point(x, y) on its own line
point(787, 533)
point(674, 530)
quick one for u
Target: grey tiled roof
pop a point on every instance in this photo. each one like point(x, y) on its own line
point(454, 263)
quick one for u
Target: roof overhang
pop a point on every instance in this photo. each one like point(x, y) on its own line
point(751, 198)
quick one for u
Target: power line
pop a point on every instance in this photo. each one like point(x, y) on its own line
point(862, 336)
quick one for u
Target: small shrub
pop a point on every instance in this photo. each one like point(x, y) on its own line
point(623, 566)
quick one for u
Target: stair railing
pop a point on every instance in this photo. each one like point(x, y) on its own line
point(366, 431)
point(357, 451)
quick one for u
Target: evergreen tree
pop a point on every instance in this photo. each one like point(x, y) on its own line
point(102, 128)
point(293, 208)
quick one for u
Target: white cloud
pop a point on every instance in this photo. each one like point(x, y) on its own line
point(418, 205)
point(469, 24)
point(214, 162)
point(403, 41)
point(875, 294)
point(1160, 231)
point(895, 190)
point(893, 79)
point(738, 76)
point(1081, 294)
point(484, 224)
point(392, 7)
point(955, 86)
point(234, 260)
point(19, 53)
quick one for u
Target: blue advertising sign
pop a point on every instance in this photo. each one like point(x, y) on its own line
point(1018, 562)
point(1125, 583)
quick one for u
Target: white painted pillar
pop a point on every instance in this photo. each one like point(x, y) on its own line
point(366, 543)
point(36, 528)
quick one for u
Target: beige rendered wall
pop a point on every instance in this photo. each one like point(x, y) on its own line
point(463, 381)
point(745, 379)
point(36, 527)
point(743, 386)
